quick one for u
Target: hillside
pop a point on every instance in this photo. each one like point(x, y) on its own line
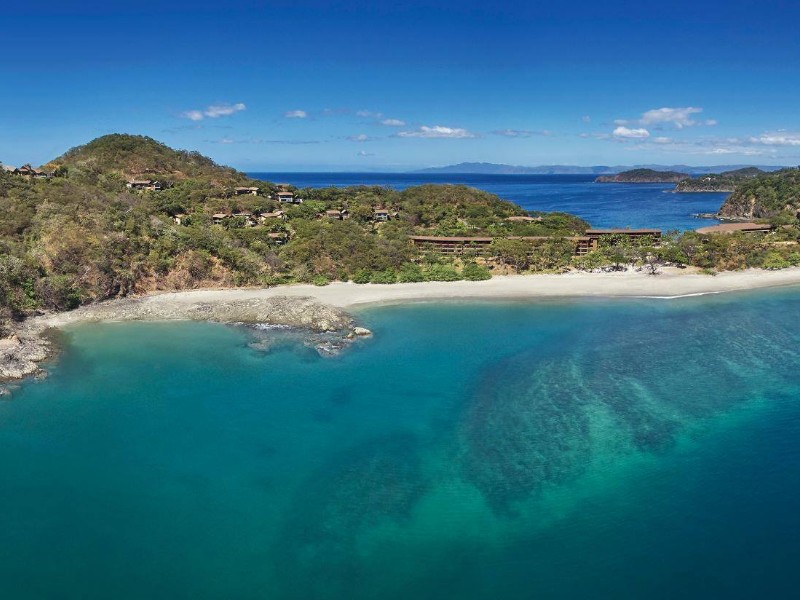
point(643, 176)
point(726, 181)
point(765, 196)
point(139, 156)
point(84, 235)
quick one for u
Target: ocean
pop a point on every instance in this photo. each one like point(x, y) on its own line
point(602, 205)
point(554, 449)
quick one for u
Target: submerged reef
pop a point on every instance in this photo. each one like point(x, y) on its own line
point(534, 422)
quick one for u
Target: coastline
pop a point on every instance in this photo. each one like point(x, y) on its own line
point(669, 283)
point(323, 309)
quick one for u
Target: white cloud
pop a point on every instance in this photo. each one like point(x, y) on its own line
point(214, 111)
point(363, 154)
point(634, 134)
point(678, 117)
point(662, 140)
point(393, 123)
point(521, 133)
point(777, 138)
point(437, 131)
point(361, 137)
point(369, 114)
point(295, 114)
point(586, 119)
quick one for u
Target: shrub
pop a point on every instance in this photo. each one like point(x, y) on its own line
point(409, 273)
point(362, 276)
point(387, 276)
point(475, 272)
point(320, 280)
point(443, 273)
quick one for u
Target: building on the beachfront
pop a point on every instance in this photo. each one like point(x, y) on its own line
point(244, 191)
point(640, 236)
point(736, 228)
point(481, 246)
point(10, 169)
point(144, 185)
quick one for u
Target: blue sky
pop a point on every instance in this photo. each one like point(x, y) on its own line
point(345, 85)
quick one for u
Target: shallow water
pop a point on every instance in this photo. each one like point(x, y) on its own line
point(573, 449)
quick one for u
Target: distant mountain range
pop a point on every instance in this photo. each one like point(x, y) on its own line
point(483, 168)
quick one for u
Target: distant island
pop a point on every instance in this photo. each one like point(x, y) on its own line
point(485, 168)
point(718, 182)
point(643, 176)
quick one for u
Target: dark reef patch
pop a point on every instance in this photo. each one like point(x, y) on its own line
point(631, 386)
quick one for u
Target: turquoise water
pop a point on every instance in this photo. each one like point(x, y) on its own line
point(606, 449)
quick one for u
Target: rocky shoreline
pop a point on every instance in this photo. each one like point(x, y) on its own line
point(329, 329)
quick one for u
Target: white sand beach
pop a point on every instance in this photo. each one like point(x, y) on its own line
point(670, 283)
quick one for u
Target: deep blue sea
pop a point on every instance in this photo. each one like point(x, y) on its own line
point(572, 449)
point(603, 205)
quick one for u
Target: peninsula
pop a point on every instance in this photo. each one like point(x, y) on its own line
point(643, 176)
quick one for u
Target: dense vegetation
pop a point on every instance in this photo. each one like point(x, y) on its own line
point(773, 196)
point(643, 176)
point(84, 236)
point(727, 181)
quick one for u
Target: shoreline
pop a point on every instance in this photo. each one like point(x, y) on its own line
point(670, 283)
point(322, 309)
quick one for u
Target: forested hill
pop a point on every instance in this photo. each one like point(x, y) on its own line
point(726, 181)
point(766, 196)
point(87, 233)
point(141, 156)
point(643, 176)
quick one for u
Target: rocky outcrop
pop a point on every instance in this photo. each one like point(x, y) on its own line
point(330, 328)
point(288, 311)
point(21, 353)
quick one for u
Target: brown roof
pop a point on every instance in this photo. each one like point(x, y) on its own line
point(591, 232)
point(279, 234)
point(249, 189)
point(220, 215)
point(734, 227)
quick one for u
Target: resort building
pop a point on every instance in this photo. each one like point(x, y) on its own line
point(638, 235)
point(380, 215)
point(481, 246)
point(244, 191)
point(278, 214)
point(144, 184)
point(287, 198)
point(218, 218)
